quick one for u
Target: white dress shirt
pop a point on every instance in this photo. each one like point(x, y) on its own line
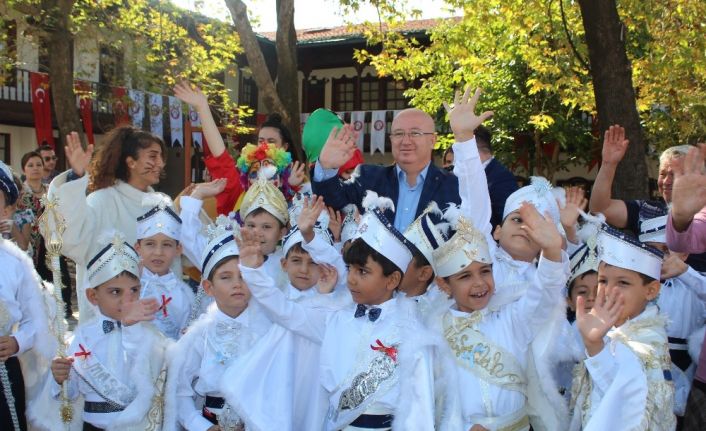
point(178, 297)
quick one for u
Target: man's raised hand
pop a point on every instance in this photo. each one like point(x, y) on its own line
point(689, 188)
point(339, 147)
point(614, 145)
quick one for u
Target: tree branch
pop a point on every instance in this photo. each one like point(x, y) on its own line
point(568, 37)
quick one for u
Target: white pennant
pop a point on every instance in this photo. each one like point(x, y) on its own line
point(377, 132)
point(358, 123)
point(175, 122)
point(137, 107)
point(156, 117)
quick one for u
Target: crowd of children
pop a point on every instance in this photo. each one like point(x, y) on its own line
point(308, 319)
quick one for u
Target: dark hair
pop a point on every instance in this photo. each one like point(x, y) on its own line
point(275, 121)
point(296, 248)
point(44, 147)
point(260, 210)
point(483, 138)
point(359, 252)
point(419, 261)
point(219, 264)
point(580, 277)
point(110, 161)
point(27, 156)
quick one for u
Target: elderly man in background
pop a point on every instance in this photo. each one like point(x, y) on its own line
point(412, 182)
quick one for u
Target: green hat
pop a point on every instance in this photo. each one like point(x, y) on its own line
point(316, 130)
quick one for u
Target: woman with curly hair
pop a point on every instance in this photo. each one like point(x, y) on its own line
point(273, 137)
point(120, 175)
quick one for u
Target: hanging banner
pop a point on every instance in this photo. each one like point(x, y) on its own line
point(41, 107)
point(120, 106)
point(377, 132)
point(176, 124)
point(156, 114)
point(85, 106)
point(358, 123)
point(137, 107)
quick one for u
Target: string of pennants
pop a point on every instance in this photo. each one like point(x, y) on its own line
point(372, 126)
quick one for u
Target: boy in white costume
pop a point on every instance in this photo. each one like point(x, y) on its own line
point(222, 336)
point(158, 233)
point(23, 322)
point(625, 378)
point(115, 368)
point(263, 208)
point(487, 356)
point(376, 363)
point(284, 356)
point(680, 302)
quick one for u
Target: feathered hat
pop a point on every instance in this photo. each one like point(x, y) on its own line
point(160, 218)
point(113, 258)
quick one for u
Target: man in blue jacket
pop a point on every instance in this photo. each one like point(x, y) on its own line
point(411, 182)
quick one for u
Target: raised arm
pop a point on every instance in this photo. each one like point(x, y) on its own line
point(293, 316)
point(614, 146)
point(472, 182)
point(195, 97)
point(338, 149)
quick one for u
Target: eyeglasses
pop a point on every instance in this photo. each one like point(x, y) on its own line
point(414, 135)
point(49, 158)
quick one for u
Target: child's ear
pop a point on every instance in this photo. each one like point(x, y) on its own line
point(137, 246)
point(179, 248)
point(393, 281)
point(282, 232)
point(443, 285)
point(283, 263)
point(207, 286)
point(425, 273)
point(653, 288)
point(91, 295)
point(570, 304)
point(496, 233)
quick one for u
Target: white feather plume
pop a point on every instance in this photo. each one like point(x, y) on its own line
point(433, 208)
point(452, 214)
point(267, 172)
point(110, 236)
point(152, 200)
point(592, 224)
point(372, 200)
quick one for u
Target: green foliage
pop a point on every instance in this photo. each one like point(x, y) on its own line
point(529, 57)
point(156, 45)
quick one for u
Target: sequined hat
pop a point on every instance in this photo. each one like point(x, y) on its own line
point(539, 193)
point(585, 258)
point(654, 230)
point(161, 218)
point(263, 194)
point(113, 258)
point(465, 245)
point(221, 243)
point(380, 234)
point(349, 225)
point(296, 206)
point(7, 183)
point(619, 249)
point(294, 236)
point(424, 234)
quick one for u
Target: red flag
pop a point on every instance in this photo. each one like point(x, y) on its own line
point(259, 119)
point(83, 91)
point(120, 107)
point(41, 107)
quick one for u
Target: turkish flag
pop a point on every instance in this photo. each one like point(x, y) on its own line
point(259, 119)
point(120, 106)
point(41, 107)
point(83, 91)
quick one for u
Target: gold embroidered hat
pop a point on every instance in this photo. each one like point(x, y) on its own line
point(585, 258)
point(221, 243)
point(161, 218)
point(349, 225)
point(263, 194)
point(619, 249)
point(380, 234)
point(424, 234)
point(112, 259)
point(465, 245)
point(539, 193)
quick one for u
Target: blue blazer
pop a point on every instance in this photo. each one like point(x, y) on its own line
point(439, 186)
point(501, 184)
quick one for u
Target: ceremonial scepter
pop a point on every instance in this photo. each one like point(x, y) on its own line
point(4, 376)
point(54, 225)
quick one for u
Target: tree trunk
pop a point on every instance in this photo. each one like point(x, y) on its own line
point(283, 98)
point(287, 73)
point(611, 73)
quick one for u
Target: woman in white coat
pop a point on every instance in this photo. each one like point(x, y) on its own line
point(120, 175)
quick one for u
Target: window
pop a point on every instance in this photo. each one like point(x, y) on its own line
point(248, 96)
point(394, 95)
point(110, 63)
point(5, 147)
point(344, 94)
point(370, 94)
